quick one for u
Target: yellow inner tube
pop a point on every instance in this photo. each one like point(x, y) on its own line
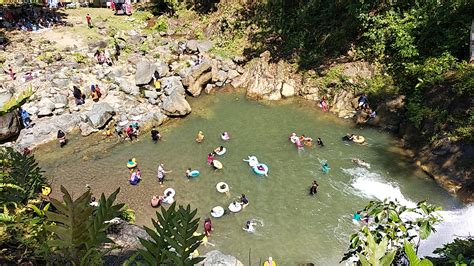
point(268, 264)
point(46, 190)
point(358, 139)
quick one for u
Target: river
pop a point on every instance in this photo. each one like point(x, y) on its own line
point(292, 226)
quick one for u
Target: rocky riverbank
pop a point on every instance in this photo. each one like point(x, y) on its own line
point(154, 73)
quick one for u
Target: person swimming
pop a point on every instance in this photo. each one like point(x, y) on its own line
point(325, 168)
point(200, 137)
point(293, 138)
point(156, 201)
point(207, 226)
point(210, 158)
point(244, 201)
point(188, 172)
point(314, 188)
point(357, 216)
point(249, 227)
point(225, 136)
point(168, 199)
point(219, 149)
point(320, 142)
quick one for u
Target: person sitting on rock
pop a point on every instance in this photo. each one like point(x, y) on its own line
point(95, 93)
point(25, 118)
point(78, 95)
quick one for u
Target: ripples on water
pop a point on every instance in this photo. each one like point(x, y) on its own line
point(293, 226)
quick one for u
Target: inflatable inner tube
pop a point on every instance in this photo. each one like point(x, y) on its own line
point(266, 263)
point(222, 187)
point(132, 163)
point(220, 153)
point(261, 169)
point(217, 212)
point(358, 139)
point(134, 181)
point(217, 164)
point(325, 169)
point(46, 191)
point(235, 207)
point(225, 137)
point(194, 173)
point(252, 160)
point(173, 192)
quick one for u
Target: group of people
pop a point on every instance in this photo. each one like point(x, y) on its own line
point(302, 141)
point(363, 105)
point(29, 18)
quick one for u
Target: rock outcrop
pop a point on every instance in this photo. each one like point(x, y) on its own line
point(100, 114)
point(176, 105)
point(265, 80)
point(217, 258)
point(197, 78)
point(10, 125)
point(144, 73)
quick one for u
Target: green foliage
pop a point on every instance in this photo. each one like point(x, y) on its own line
point(376, 254)
point(79, 228)
point(128, 214)
point(460, 252)
point(387, 223)
point(20, 178)
point(413, 258)
point(79, 58)
point(46, 57)
point(16, 102)
point(173, 240)
point(160, 25)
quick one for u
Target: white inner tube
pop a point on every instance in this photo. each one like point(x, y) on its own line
point(217, 212)
point(173, 192)
point(252, 160)
point(221, 152)
point(217, 164)
point(235, 207)
point(222, 187)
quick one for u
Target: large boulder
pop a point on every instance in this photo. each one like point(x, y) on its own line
point(217, 258)
point(176, 105)
point(199, 76)
point(266, 80)
point(100, 114)
point(4, 97)
point(162, 69)
point(343, 104)
point(204, 46)
point(10, 125)
point(171, 84)
point(144, 74)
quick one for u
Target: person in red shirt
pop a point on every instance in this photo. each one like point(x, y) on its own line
point(89, 21)
point(130, 132)
point(207, 227)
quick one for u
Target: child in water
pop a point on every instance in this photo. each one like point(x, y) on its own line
point(207, 227)
point(320, 142)
point(200, 137)
point(210, 158)
point(188, 172)
point(314, 188)
point(249, 227)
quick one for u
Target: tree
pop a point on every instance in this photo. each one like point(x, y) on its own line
point(376, 254)
point(460, 252)
point(396, 223)
point(79, 228)
point(174, 239)
point(413, 258)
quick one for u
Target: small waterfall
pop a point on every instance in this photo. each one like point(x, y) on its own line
point(455, 223)
point(373, 185)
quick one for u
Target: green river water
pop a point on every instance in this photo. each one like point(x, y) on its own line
point(292, 226)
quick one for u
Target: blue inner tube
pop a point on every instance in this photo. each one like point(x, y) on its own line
point(261, 172)
point(134, 182)
point(194, 173)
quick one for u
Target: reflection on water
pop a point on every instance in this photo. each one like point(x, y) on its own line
point(292, 226)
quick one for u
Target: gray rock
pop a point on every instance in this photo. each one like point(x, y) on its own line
point(128, 87)
point(150, 94)
point(209, 88)
point(176, 105)
point(10, 125)
point(232, 74)
point(60, 83)
point(58, 111)
point(159, 117)
point(171, 84)
point(144, 74)
point(152, 101)
point(221, 76)
point(86, 129)
point(162, 68)
point(100, 114)
point(45, 111)
point(62, 99)
point(192, 46)
point(59, 106)
point(46, 102)
point(199, 76)
point(217, 258)
point(204, 46)
point(116, 72)
point(287, 89)
point(4, 97)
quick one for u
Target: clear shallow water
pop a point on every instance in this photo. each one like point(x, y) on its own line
point(293, 227)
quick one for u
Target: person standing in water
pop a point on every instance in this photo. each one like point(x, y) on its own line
point(207, 227)
point(314, 188)
point(155, 135)
point(249, 227)
point(161, 173)
point(320, 142)
point(200, 137)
